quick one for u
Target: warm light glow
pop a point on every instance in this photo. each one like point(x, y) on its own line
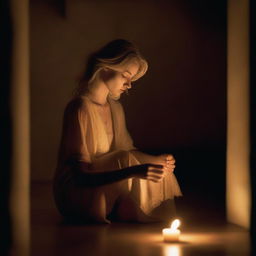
point(238, 108)
point(175, 224)
point(172, 234)
point(172, 250)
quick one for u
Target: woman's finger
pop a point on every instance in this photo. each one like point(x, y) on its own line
point(170, 157)
point(170, 169)
point(157, 166)
point(156, 177)
point(156, 171)
point(170, 161)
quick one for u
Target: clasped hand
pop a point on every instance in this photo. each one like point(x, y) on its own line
point(167, 161)
point(156, 170)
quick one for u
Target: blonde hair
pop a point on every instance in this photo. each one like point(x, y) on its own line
point(115, 55)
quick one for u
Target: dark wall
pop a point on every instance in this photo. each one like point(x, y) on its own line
point(6, 135)
point(182, 98)
point(253, 121)
point(179, 106)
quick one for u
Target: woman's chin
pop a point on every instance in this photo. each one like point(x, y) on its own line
point(115, 96)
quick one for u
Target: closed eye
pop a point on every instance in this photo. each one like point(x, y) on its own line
point(126, 77)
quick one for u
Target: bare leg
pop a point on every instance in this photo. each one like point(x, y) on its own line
point(97, 212)
point(94, 204)
point(127, 209)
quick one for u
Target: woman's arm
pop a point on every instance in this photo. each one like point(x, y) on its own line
point(83, 177)
point(166, 160)
point(143, 158)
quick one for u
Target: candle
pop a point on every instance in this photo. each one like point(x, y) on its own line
point(172, 234)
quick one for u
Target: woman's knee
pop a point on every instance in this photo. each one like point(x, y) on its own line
point(122, 154)
point(123, 157)
point(111, 161)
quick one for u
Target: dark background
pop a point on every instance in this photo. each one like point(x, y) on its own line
point(253, 119)
point(178, 107)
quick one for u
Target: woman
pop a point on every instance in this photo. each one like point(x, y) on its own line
point(100, 174)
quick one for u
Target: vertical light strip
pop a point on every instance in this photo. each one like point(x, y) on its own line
point(238, 142)
point(20, 180)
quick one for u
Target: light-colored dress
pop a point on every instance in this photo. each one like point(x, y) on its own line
point(85, 138)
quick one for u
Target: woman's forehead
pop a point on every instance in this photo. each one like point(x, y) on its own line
point(131, 68)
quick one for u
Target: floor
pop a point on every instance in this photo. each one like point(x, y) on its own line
point(202, 233)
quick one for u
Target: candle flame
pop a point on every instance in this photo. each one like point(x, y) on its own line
point(175, 224)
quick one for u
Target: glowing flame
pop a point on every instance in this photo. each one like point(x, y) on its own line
point(175, 224)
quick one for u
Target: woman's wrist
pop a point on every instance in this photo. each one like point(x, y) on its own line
point(129, 172)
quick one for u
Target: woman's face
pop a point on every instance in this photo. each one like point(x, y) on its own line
point(118, 82)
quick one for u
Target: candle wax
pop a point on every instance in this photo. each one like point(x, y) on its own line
point(171, 235)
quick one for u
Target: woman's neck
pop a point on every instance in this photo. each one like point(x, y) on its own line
point(98, 93)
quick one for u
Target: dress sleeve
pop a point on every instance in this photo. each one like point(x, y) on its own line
point(75, 131)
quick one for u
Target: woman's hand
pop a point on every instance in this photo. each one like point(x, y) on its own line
point(167, 161)
point(152, 172)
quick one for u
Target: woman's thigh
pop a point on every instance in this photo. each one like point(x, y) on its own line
point(113, 160)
